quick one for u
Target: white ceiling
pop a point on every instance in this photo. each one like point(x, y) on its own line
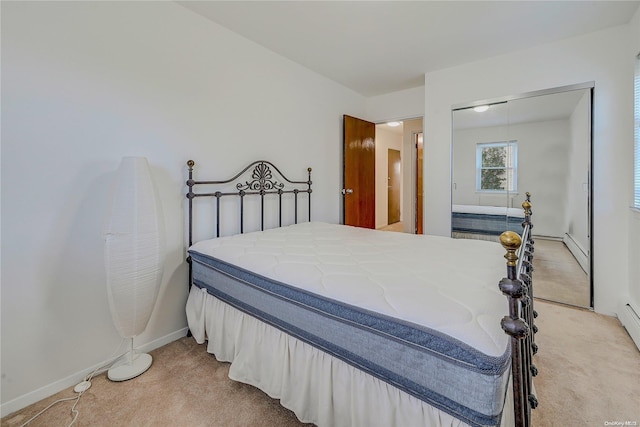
point(380, 47)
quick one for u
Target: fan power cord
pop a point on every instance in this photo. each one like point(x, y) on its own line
point(81, 387)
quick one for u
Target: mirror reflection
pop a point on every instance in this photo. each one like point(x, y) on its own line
point(537, 144)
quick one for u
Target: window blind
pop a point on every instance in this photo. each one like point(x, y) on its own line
point(636, 115)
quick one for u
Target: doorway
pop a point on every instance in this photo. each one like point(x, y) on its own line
point(372, 143)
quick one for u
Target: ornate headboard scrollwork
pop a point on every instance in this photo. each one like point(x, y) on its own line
point(262, 178)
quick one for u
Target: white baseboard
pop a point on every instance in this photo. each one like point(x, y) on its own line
point(630, 319)
point(53, 388)
point(578, 252)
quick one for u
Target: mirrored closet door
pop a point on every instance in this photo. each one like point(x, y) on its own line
point(538, 143)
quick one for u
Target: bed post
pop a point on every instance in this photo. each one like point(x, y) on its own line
point(515, 327)
point(190, 196)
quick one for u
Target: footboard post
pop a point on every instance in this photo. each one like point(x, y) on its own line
point(515, 326)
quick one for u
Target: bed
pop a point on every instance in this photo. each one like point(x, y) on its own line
point(357, 327)
point(485, 220)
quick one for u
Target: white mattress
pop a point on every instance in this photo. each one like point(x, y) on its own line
point(446, 284)
point(488, 210)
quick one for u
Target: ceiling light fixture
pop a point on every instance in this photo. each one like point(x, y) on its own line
point(394, 124)
point(481, 108)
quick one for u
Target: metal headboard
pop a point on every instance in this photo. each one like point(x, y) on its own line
point(261, 181)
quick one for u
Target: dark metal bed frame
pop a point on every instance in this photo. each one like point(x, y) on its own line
point(519, 324)
point(517, 286)
point(262, 182)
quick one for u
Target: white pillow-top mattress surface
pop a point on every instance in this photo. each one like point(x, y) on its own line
point(449, 285)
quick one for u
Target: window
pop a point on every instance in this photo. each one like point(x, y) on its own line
point(497, 166)
point(636, 115)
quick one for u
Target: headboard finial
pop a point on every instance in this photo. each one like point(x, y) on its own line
point(511, 241)
point(190, 163)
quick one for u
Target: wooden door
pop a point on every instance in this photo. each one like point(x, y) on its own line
point(394, 177)
point(359, 162)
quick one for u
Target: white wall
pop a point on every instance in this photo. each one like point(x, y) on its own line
point(85, 83)
point(602, 57)
point(404, 104)
point(385, 140)
point(543, 149)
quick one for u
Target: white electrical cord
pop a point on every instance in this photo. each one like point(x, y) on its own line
point(47, 408)
point(82, 387)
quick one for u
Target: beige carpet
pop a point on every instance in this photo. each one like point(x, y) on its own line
point(596, 379)
point(185, 386)
point(589, 369)
point(558, 276)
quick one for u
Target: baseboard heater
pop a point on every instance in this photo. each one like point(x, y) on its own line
point(631, 321)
